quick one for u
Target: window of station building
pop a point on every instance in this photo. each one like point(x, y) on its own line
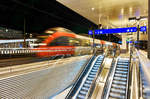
point(64, 41)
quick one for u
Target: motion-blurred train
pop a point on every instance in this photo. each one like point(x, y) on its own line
point(61, 41)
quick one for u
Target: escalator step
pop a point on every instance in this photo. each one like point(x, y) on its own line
point(86, 85)
point(122, 69)
point(100, 58)
point(94, 70)
point(147, 89)
point(85, 88)
point(99, 61)
point(120, 75)
point(96, 65)
point(92, 73)
point(88, 82)
point(119, 86)
point(90, 79)
point(120, 79)
point(116, 96)
point(80, 97)
point(120, 91)
point(83, 92)
point(119, 82)
point(92, 76)
point(122, 72)
point(122, 66)
point(123, 61)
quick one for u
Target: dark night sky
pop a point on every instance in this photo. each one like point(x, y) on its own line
point(40, 15)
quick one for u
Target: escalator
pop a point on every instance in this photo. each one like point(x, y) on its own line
point(117, 87)
point(89, 78)
point(82, 85)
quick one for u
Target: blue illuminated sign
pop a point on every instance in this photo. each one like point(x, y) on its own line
point(120, 42)
point(117, 30)
point(143, 28)
point(132, 41)
point(129, 41)
point(90, 32)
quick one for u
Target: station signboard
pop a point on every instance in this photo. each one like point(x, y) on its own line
point(116, 30)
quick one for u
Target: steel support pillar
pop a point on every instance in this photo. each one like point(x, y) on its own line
point(148, 29)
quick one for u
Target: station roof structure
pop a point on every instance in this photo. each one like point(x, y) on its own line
point(113, 13)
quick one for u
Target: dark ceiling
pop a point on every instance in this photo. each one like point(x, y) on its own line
point(38, 15)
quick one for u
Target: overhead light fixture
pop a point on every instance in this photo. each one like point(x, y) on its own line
point(130, 9)
point(122, 11)
point(93, 9)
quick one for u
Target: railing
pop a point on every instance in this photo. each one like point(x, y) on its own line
point(31, 50)
point(128, 90)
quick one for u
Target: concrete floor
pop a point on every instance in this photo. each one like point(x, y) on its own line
point(42, 81)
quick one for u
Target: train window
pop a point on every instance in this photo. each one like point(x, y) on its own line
point(65, 41)
point(84, 42)
point(74, 42)
point(61, 41)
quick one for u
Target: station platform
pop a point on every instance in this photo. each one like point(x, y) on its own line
point(66, 78)
point(41, 79)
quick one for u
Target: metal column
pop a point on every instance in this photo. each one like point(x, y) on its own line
point(148, 29)
point(138, 31)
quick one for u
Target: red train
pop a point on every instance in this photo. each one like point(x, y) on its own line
point(61, 41)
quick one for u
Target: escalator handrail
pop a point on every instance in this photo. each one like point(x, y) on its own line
point(128, 82)
point(145, 64)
